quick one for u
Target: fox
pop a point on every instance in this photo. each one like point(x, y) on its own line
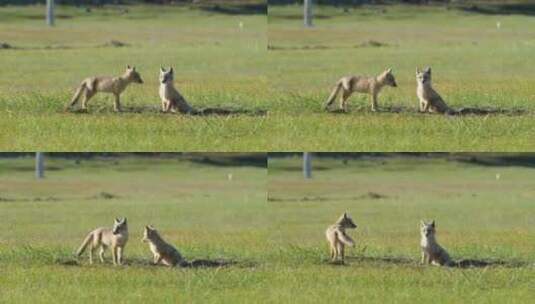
point(107, 84)
point(115, 238)
point(161, 250)
point(432, 252)
point(171, 99)
point(337, 237)
point(430, 100)
point(361, 84)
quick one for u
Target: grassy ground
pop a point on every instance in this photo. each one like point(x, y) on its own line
point(217, 64)
point(195, 206)
point(479, 216)
point(475, 64)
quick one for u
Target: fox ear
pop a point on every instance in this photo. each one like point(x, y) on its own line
point(345, 214)
point(128, 67)
point(428, 70)
point(133, 68)
point(162, 69)
point(389, 70)
point(124, 220)
point(433, 223)
point(422, 223)
point(171, 69)
point(417, 70)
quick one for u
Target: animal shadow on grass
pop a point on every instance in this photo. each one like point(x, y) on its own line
point(458, 112)
point(157, 110)
point(140, 262)
point(463, 264)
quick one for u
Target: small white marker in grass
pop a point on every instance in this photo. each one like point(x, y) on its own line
point(497, 176)
point(240, 25)
point(229, 176)
point(498, 25)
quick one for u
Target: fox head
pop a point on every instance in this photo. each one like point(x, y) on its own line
point(119, 225)
point(427, 229)
point(388, 78)
point(148, 233)
point(423, 77)
point(166, 76)
point(132, 74)
point(346, 221)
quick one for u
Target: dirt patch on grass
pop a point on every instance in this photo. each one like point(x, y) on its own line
point(140, 262)
point(458, 112)
point(98, 196)
point(365, 44)
point(115, 43)
point(157, 110)
point(368, 195)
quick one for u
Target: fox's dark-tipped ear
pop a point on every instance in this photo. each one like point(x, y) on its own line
point(171, 70)
point(428, 70)
point(128, 67)
point(433, 223)
point(417, 70)
point(345, 214)
point(389, 70)
point(124, 220)
point(162, 69)
point(117, 220)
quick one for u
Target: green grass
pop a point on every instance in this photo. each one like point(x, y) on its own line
point(474, 65)
point(195, 207)
point(217, 64)
point(478, 217)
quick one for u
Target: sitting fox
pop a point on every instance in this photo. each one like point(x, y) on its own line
point(115, 238)
point(430, 101)
point(172, 100)
point(161, 250)
point(115, 85)
point(361, 84)
point(337, 237)
point(432, 252)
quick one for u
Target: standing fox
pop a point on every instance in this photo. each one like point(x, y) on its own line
point(172, 100)
point(115, 85)
point(115, 238)
point(337, 237)
point(430, 101)
point(161, 250)
point(432, 252)
point(361, 84)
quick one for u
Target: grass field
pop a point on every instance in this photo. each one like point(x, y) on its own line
point(475, 64)
point(195, 206)
point(217, 64)
point(479, 216)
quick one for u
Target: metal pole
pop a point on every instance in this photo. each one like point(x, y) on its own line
point(307, 165)
point(39, 165)
point(308, 13)
point(50, 12)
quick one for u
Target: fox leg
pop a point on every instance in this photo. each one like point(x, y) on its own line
point(101, 253)
point(88, 93)
point(91, 248)
point(120, 255)
point(164, 105)
point(333, 252)
point(114, 254)
point(117, 103)
point(343, 100)
point(168, 106)
point(157, 259)
point(374, 101)
point(340, 251)
point(424, 257)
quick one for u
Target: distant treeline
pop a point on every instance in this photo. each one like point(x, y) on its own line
point(123, 2)
point(217, 159)
point(362, 2)
point(488, 159)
